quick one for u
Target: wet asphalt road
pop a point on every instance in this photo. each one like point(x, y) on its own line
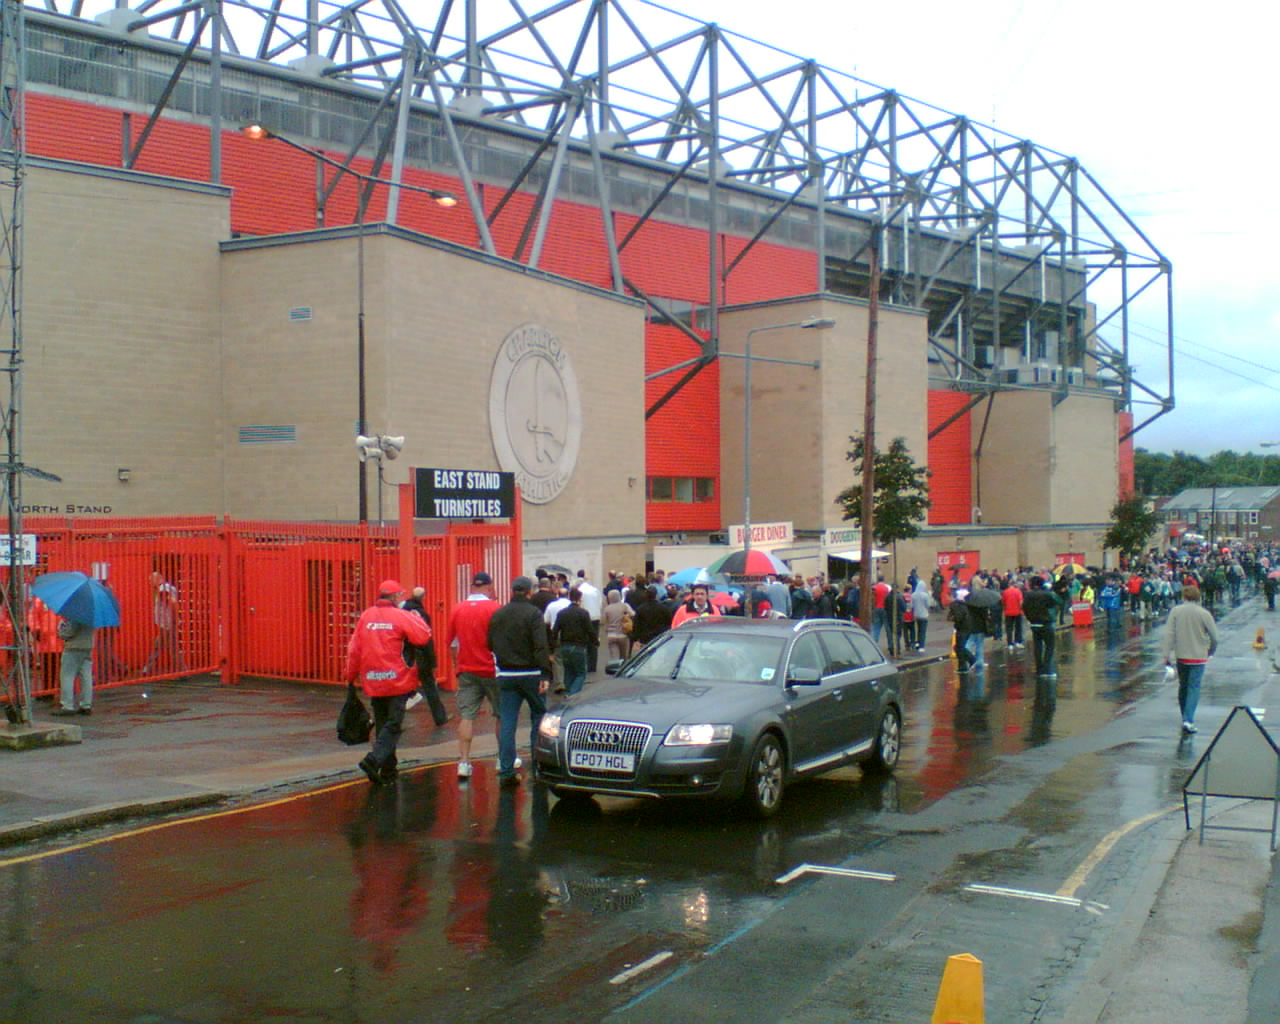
point(439, 901)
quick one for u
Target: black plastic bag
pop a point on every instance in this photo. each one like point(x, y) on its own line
point(354, 723)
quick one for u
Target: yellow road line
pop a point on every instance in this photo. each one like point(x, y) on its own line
point(178, 821)
point(1077, 877)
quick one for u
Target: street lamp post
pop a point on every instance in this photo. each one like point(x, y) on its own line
point(446, 199)
point(810, 323)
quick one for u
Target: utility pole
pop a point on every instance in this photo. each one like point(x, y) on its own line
point(865, 598)
point(12, 170)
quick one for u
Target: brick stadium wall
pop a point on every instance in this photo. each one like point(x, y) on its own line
point(273, 191)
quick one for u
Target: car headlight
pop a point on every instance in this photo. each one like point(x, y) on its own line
point(549, 727)
point(698, 735)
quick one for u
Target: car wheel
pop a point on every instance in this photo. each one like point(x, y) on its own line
point(888, 745)
point(762, 793)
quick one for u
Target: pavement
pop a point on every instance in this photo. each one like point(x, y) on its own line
point(1197, 940)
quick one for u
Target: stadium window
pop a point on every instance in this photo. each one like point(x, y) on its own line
point(684, 489)
point(660, 488)
point(704, 488)
point(1253, 518)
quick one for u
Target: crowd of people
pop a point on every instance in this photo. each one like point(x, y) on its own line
point(549, 635)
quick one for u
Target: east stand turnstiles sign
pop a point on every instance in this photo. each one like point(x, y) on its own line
point(464, 494)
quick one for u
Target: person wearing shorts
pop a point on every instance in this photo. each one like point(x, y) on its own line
point(468, 639)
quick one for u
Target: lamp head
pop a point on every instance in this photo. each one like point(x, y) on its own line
point(446, 199)
point(256, 131)
point(818, 323)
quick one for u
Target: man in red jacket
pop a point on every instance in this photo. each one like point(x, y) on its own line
point(376, 660)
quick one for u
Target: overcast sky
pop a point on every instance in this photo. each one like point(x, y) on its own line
point(1168, 106)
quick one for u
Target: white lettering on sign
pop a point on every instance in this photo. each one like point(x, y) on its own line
point(449, 478)
point(763, 534)
point(481, 481)
point(26, 549)
point(466, 508)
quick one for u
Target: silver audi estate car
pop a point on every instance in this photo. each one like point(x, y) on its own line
point(728, 708)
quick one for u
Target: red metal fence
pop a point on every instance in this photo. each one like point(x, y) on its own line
point(252, 598)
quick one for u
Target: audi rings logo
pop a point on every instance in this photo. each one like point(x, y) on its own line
point(605, 737)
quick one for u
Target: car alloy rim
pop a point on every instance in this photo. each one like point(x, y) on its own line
point(769, 774)
point(889, 738)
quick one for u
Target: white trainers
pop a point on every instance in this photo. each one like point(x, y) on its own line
point(464, 769)
point(413, 701)
point(517, 764)
point(1189, 727)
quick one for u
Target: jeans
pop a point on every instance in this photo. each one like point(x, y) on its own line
point(878, 620)
point(1013, 629)
point(574, 658)
point(77, 662)
point(922, 628)
point(388, 720)
point(1189, 676)
point(1044, 639)
point(512, 692)
point(975, 644)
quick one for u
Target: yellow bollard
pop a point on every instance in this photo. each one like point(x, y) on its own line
point(960, 993)
point(1260, 641)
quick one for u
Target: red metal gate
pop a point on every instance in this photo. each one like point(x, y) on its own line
point(252, 598)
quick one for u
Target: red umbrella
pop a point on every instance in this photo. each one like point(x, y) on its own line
point(750, 563)
point(720, 599)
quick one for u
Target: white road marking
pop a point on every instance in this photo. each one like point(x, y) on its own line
point(641, 967)
point(1039, 897)
point(819, 869)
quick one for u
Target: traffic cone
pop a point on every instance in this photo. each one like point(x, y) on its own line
point(1260, 641)
point(960, 993)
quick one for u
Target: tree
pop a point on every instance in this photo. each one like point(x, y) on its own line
point(1158, 473)
point(1132, 526)
point(902, 492)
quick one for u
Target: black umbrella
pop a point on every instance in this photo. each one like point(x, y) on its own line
point(982, 597)
point(552, 567)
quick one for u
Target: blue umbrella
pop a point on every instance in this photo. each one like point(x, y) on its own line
point(78, 597)
point(688, 577)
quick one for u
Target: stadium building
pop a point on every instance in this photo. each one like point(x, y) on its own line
point(543, 245)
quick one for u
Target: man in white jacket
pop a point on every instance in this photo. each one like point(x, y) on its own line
point(1190, 639)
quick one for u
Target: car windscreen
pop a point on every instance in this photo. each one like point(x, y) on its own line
point(697, 655)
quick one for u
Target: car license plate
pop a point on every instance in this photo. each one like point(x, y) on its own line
point(602, 761)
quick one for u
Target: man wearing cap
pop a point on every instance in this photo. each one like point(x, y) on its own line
point(468, 638)
point(375, 659)
point(518, 639)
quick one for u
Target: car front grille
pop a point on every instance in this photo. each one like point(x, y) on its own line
point(607, 737)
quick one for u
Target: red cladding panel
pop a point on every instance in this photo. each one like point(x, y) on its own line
point(1123, 425)
point(683, 437)
point(950, 480)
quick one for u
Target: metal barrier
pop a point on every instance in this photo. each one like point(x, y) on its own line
point(267, 599)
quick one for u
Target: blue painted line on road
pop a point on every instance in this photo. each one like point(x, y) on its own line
point(681, 972)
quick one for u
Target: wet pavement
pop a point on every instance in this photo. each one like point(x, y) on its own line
point(300, 892)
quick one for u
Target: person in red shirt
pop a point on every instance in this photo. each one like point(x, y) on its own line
point(468, 639)
point(878, 617)
point(376, 660)
point(1011, 598)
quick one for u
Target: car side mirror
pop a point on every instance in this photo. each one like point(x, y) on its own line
point(804, 677)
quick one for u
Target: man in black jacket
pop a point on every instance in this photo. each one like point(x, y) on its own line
point(574, 638)
point(426, 664)
point(518, 639)
point(1041, 609)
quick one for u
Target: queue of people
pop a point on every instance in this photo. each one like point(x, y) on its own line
point(548, 636)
